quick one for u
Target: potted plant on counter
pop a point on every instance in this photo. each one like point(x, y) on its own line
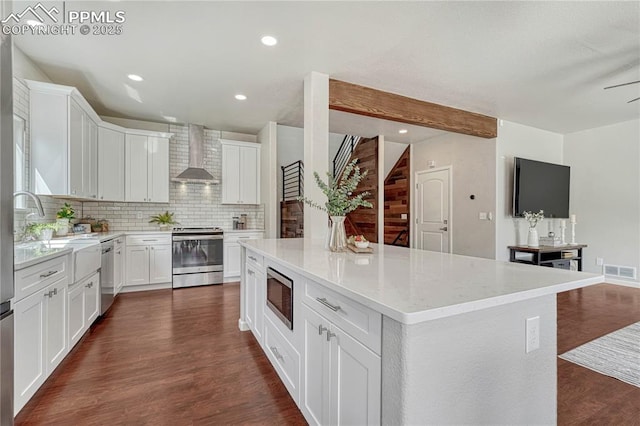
point(164, 220)
point(64, 216)
point(340, 201)
point(41, 231)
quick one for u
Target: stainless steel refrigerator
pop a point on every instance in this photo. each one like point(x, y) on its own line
point(6, 227)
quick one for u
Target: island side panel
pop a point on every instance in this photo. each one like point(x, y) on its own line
point(242, 321)
point(471, 368)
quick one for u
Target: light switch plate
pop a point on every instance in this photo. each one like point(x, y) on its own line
point(403, 216)
point(482, 215)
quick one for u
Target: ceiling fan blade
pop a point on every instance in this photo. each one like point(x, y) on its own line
point(623, 84)
point(633, 100)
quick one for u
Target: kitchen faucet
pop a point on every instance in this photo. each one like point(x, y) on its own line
point(35, 199)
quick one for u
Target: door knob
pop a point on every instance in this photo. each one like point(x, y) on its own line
point(444, 228)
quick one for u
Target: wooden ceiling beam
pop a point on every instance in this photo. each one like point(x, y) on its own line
point(356, 99)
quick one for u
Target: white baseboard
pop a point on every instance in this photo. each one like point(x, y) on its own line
point(231, 279)
point(626, 283)
point(144, 287)
point(242, 325)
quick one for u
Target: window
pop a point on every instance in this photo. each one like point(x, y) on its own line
point(19, 160)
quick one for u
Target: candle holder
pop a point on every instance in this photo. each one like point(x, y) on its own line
point(563, 232)
point(573, 233)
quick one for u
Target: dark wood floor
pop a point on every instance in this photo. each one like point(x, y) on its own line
point(584, 396)
point(177, 358)
point(165, 358)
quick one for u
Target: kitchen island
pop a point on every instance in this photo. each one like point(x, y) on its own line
point(414, 337)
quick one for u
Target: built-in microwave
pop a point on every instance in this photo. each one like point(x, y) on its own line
point(280, 296)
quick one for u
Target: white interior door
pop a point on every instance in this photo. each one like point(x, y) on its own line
point(433, 223)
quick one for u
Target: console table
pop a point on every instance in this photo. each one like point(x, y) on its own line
point(548, 255)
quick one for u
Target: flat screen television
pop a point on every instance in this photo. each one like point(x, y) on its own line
point(541, 186)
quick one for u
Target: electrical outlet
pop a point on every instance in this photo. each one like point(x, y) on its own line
point(139, 215)
point(533, 334)
point(599, 261)
point(403, 216)
point(482, 215)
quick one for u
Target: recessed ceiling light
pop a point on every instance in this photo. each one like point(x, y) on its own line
point(241, 97)
point(33, 22)
point(135, 77)
point(269, 40)
point(170, 118)
point(402, 131)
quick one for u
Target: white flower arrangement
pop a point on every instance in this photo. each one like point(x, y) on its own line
point(533, 218)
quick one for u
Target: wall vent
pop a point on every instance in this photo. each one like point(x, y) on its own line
point(627, 272)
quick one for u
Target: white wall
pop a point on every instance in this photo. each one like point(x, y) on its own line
point(25, 68)
point(517, 140)
point(473, 173)
point(605, 192)
point(392, 152)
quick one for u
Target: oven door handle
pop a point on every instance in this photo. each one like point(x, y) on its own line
point(197, 237)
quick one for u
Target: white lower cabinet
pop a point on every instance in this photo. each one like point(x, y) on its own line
point(256, 299)
point(40, 338)
point(84, 307)
point(148, 260)
point(342, 377)
point(233, 251)
point(118, 265)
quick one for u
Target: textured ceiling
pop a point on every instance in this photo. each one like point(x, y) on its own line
point(543, 64)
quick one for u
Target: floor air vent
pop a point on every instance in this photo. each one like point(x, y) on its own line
point(627, 272)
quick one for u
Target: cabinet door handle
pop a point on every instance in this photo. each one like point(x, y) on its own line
point(48, 274)
point(334, 308)
point(244, 238)
point(253, 258)
point(102, 197)
point(277, 353)
point(146, 248)
point(250, 272)
point(55, 291)
point(153, 248)
point(330, 335)
point(89, 285)
point(321, 329)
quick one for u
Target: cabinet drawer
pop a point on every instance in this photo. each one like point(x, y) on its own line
point(284, 358)
point(148, 240)
point(37, 277)
point(231, 237)
point(362, 323)
point(253, 257)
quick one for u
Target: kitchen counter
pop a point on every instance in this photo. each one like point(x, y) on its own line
point(29, 254)
point(412, 286)
point(461, 340)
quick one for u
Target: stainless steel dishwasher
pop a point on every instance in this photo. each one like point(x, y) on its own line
point(107, 281)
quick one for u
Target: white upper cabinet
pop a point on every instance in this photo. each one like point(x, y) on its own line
point(147, 168)
point(77, 155)
point(110, 164)
point(240, 172)
point(63, 142)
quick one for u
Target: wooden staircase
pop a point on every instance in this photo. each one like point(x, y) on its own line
point(364, 221)
point(396, 202)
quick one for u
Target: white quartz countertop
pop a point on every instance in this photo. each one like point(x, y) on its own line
point(29, 254)
point(413, 286)
point(242, 231)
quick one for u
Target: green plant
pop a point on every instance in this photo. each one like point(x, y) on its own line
point(165, 218)
point(66, 212)
point(36, 228)
point(340, 201)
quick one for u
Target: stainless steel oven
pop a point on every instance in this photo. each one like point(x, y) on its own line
point(197, 256)
point(280, 296)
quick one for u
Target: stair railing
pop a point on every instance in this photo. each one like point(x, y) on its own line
point(292, 180)
point(344, 153)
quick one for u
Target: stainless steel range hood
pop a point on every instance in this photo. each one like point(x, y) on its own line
point(196, 172)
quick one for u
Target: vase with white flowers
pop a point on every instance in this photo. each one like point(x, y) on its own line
point(340, 201)
point(63, 217)
point(533, 219)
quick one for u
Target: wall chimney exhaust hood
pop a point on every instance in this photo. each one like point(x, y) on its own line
point(196, 173)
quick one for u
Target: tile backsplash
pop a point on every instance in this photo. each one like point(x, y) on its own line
point(193, 204)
